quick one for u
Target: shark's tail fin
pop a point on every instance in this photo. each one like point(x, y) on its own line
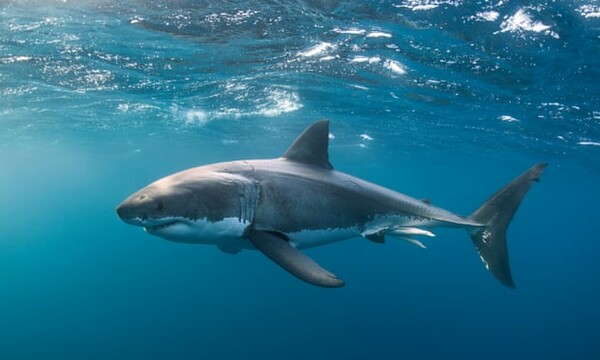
point(496, 213)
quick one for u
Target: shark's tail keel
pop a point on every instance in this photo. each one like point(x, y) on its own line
point(496, 214)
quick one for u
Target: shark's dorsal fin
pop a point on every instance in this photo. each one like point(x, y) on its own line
point(312, 146)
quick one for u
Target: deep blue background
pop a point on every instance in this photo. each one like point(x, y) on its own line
point(99, 99)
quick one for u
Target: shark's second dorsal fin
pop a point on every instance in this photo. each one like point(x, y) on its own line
point(312, 146)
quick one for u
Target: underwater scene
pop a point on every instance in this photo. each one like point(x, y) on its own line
point(445, 101)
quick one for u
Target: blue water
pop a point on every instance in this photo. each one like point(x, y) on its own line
point(446, 100)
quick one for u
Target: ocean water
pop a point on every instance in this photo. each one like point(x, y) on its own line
point(445, 100)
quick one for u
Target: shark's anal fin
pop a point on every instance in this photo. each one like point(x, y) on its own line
point(278, 249)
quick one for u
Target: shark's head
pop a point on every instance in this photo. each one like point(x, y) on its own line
point(193, 206)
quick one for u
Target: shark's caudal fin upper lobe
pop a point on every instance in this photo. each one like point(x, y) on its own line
point(496, 213)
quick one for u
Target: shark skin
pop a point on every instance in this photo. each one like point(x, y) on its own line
point(298, 201)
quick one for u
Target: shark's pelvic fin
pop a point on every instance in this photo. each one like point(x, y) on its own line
point(376, 235)
point(312, 146)
point(276, 247)
point(496, 213)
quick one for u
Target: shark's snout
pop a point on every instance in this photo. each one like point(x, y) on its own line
point(125, 211)
point(136, 209)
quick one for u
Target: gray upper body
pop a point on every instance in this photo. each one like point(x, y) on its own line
point(288, 195)
point(279, 205)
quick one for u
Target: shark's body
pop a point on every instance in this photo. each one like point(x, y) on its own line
point(298, 201)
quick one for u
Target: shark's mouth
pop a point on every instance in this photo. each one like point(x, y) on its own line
point(162, 226)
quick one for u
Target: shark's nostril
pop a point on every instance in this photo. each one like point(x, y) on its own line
point(160, 206)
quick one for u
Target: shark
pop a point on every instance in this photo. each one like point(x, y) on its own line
point(282, 206)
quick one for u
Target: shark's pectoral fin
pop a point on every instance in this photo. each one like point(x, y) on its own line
point(278, 249)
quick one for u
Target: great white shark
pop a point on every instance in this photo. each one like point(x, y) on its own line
point(298, 201)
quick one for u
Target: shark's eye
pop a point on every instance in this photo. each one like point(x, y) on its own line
point(160, 206)
point(142, 197)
